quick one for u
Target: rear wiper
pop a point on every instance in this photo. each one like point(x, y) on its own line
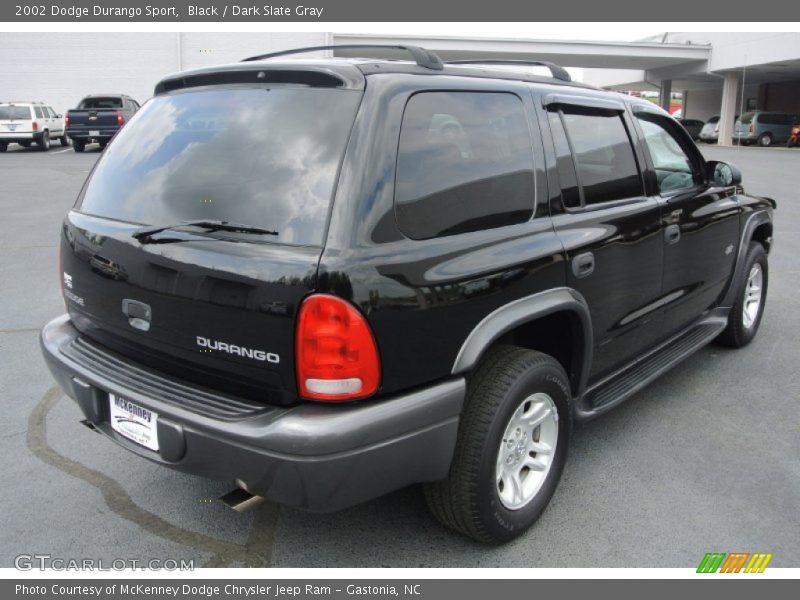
point(144, 234)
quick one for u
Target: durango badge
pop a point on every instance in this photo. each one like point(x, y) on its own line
point(261, 355)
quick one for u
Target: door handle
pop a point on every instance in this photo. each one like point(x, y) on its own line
point(672, 234)
point(583, 265)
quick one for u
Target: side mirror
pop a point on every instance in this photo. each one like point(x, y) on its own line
point(722, 174)
point(59, 116)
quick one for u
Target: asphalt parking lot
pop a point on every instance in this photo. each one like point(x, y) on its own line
point(705, 459)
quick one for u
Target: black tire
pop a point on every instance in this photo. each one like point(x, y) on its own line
point(765, 139)
point(738, 334)
point(103, 145)
point(468, 501)
point(64, 140)
point(3, 146)
point(44, 141)
point(79, 146)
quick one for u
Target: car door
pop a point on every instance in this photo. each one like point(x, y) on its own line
point(700, 222)
point(609, 227)
point(56, 124)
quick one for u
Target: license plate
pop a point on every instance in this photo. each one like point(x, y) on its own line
point(12, 127)
point(135, 422)
point(94, 133)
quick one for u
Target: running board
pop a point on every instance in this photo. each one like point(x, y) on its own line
point(624, 383)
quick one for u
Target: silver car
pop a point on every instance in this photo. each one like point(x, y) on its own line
point(763, 128)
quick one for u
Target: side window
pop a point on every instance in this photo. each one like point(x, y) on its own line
point(51, 113)
point(39, 112)
point(464, 163)
point(674, 168)
point(604, 158)
point(570, 195)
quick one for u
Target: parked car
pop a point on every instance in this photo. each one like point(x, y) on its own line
point(763, 128)
point(98, 118)
point(383, 273)
point(27, 123)
point(693, 127)
point(710, 131)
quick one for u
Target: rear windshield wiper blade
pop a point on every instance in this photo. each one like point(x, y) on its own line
point(145, 233)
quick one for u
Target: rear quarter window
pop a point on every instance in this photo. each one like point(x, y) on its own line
point(465, 163)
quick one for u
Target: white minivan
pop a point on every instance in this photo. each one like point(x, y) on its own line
point(27, 123)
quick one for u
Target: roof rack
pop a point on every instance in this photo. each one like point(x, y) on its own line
point(557, 71)
point(424, 58)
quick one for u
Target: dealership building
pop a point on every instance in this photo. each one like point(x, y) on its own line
point(722, 74)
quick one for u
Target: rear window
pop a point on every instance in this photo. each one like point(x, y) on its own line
point(100, 103)
point(266, 158)
point(713, 120)
point(746, 118)
point(15, 112)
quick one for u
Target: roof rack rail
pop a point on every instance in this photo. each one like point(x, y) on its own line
point(557, 71)
point(424, 58)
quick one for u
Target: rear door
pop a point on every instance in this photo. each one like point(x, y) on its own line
point(609, 227)
point(217, 307)
point(701, 223)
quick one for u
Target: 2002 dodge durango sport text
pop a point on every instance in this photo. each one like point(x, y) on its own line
point(323, 280)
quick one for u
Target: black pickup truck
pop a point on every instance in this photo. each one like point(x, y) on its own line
point(324, 281)
point(98, 118)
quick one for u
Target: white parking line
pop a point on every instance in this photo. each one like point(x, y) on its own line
point(60, 151)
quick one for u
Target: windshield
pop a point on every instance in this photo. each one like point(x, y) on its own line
point(100, 103)
point(265, 158)
point(15, 112)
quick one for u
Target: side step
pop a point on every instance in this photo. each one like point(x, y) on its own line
point(621, 385)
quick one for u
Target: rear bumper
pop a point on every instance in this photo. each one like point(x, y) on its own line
point(318, 457)
point(85, 134)
point(19, 136)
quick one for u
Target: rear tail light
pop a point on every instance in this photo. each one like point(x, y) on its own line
point(35, 126)
point(750, 129)
point(335, 352)
point(66, 120)
point(120, 118)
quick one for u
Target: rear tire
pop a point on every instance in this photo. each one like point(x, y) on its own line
point(103, 145)
point(64, 140)
point(517, 413)
point(751, 296)
point(79, 145)
point(44, 141)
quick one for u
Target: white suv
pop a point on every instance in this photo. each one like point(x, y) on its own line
point(30, 122)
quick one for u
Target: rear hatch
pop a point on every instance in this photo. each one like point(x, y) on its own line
point(16, 118)
point(215, 306)
point(742, 126)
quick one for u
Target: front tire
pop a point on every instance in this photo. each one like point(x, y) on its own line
point(511, 447)
point(751, 296)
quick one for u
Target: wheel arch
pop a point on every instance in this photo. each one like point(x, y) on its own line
point(522, 322)
point(758, 228)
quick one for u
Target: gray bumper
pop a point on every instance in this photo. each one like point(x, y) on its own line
point(314, 456)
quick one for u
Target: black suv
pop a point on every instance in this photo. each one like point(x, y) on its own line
point(325, 280)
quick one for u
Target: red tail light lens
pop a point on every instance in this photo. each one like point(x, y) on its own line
point(335, 352)
point(35, 126)
point(750, 129)
point(66, 120)
point(120, 118)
